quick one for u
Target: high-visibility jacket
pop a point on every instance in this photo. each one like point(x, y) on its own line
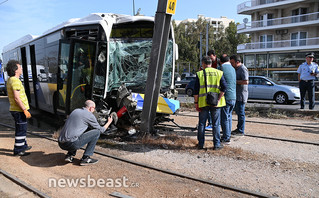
point(213, 77)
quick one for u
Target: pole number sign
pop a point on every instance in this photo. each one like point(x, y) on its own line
point(171, 5)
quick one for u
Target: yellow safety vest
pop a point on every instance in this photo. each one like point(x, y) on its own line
point(213, 79)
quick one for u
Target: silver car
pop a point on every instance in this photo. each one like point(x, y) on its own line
point(264, 88)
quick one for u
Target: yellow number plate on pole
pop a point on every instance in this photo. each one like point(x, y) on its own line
point(171, 5)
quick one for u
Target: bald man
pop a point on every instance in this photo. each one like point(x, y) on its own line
point(74, 134)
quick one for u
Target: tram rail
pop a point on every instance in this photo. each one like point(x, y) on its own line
point(169, 172)
point(23, 184)
point(251, 135)
point(191, 129)
point(259, 122)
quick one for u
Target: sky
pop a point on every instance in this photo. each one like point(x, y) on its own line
point(21, 17)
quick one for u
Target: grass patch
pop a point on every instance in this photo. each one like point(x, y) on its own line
point(171, 141)
point(271, 112)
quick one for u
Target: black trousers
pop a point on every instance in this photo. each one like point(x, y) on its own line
point(307, 86)
point(20, 143)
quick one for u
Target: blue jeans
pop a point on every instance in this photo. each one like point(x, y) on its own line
point(90, 138)
point(240, 111)
point(226, 118)
point(20, 143)
point(310, 88)
point(215, 112)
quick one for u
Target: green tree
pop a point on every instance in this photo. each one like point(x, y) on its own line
point(233, 38)
point(187, 36)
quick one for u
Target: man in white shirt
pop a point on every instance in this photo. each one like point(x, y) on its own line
point(307, 72)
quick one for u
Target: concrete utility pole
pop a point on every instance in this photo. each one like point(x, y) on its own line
point(165, 9)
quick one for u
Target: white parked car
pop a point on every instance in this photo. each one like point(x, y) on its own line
point(264, 88)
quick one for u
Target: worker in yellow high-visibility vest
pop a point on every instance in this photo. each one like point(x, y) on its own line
point(215, 83)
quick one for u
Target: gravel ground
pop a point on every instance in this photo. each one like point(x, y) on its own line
point(272, 167)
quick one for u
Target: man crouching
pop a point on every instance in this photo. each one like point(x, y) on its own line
point(74, 135)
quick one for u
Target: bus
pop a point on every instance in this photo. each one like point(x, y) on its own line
point(103, 57)
point(3, 88)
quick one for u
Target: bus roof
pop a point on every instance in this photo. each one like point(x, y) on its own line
point(93, 18)
point(19, 42)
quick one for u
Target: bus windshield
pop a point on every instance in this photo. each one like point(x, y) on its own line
point(129, 61)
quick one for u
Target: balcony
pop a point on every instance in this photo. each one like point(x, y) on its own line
point(254, 5)
point(277, 23)
point(284, 45)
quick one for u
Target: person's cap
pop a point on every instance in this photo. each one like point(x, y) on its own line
point(311, 55)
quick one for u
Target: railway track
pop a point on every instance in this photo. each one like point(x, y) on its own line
point(259, 122)
point(192, 129)
point(169, 172)
point(251, 135)
point(23, 184)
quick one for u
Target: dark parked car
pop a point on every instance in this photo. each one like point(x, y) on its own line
point(189, 89)
point(182, 83)
point(264, 88)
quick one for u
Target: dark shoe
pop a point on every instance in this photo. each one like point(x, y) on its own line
point(88, 161)
point(68, 158)
point(218, 148)
point(237, 133)
point(227, 142)
point(28, 148)
point(22, 153)
point(200, 147)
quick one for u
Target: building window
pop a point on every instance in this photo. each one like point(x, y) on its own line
point(261, 2)
point(289, 61)
point(295, 15)
point(298, 39)
point(266, 41)
point(265, 20)
point(282, 60)
point(249, 61)
point(261, 61)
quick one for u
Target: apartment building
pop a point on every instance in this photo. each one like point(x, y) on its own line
point(282, 32)
point(218, 23)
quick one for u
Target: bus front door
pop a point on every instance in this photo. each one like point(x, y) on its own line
point(60, 97)
point(76, 75)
